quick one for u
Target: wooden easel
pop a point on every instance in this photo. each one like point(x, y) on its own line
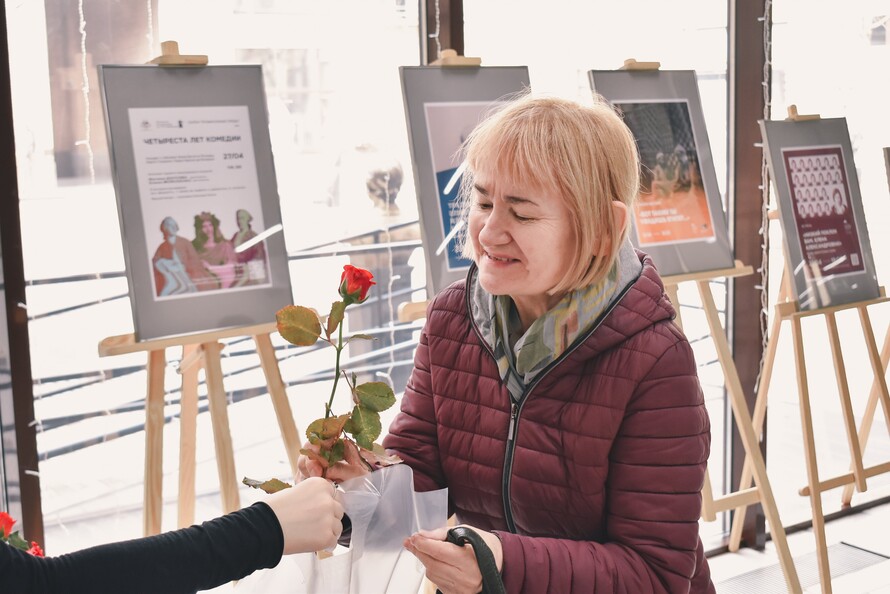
point(787, 308)
point(762, 491)
point(199, 350)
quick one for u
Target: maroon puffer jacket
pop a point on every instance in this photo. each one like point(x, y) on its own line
point(598, 487)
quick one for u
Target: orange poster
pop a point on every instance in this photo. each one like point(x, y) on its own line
point(672, 206)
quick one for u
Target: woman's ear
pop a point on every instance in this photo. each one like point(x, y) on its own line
point(621, 215)
point(621, 218)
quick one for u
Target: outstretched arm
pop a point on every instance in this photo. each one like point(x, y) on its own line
point(301, 519)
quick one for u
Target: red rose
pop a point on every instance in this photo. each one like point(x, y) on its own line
point(354, 284)
point(35, 550)
point(6, 522)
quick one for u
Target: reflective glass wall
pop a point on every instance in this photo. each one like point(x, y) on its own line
point(337, 127)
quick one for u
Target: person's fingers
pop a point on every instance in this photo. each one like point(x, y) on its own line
point(351, 454)
point(442, 551)
point(435, 534)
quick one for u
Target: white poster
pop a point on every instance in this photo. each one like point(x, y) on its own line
point(200, 199)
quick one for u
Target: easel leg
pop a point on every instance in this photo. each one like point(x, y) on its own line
point(843, 388)
point(188, 422)
point(878, 388)
point(758, 418)
point(749, 440)
point(806, 419)
point(708, 511)
point(154, 444)
point(222, 436)
point(278, 393)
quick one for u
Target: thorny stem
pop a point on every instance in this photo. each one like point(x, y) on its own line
point(339, 347)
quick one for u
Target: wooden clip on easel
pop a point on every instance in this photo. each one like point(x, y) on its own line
point(170, 56)
point(793, 116)
point(449, 58)
point(632, 64)
point(761, 492)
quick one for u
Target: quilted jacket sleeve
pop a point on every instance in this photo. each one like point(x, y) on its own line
point(656, 470)
point(413, 432)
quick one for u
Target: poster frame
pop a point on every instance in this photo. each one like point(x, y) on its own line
point(824, 288)
point(688, 254)
point(126, 87)
point(426, 85)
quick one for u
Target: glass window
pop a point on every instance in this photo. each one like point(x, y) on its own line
point(346, 194)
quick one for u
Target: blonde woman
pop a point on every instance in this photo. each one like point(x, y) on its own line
point(552, 394)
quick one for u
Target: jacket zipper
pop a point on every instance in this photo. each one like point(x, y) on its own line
point(516, 408)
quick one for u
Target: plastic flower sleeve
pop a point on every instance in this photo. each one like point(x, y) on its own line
point(384, 510)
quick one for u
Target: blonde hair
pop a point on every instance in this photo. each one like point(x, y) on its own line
point(586, 154)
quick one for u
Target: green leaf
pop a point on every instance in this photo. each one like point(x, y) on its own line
point(270, 486)
point(18, 542)
point(376, 396)
point(321, 430)
point(336, 316)
point(365, 426)
point(298, 325)
point(358, 337)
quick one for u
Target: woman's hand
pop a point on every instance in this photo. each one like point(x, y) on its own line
point(452, 568)
point(351, 466)
point(310, 514)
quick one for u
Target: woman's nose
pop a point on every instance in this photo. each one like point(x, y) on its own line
point(494, 230)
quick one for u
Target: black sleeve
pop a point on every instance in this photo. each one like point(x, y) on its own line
point(182, 561)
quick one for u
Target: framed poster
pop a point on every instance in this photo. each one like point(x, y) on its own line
point(196, 191)
point(678, 216)
point(442, 106)
point(827, 249)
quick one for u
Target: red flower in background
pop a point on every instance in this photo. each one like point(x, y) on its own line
point(355, 283)
point(6, 522)
point(35, 550)
point(13, 539)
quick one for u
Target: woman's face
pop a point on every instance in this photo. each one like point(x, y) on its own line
point(523, 239)
point(207, 228)
point(243, 219)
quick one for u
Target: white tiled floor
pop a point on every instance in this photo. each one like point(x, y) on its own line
point(867, 530)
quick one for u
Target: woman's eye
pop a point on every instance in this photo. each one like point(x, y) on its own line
point(483, 205)
point(522, 219)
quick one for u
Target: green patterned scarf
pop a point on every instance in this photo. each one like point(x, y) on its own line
point(521, 357)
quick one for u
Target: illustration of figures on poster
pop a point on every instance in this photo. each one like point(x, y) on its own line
point(826, 228)
point(448, 125)
point(672, 206)
point(200, 199)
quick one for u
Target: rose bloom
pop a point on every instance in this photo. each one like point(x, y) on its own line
point(35, 550)
point(6, 522)
point(355, 282)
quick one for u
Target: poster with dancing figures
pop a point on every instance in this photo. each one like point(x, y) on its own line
point(197, 197)
point(442, 106)
point(678, 210)
point(826, 239)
